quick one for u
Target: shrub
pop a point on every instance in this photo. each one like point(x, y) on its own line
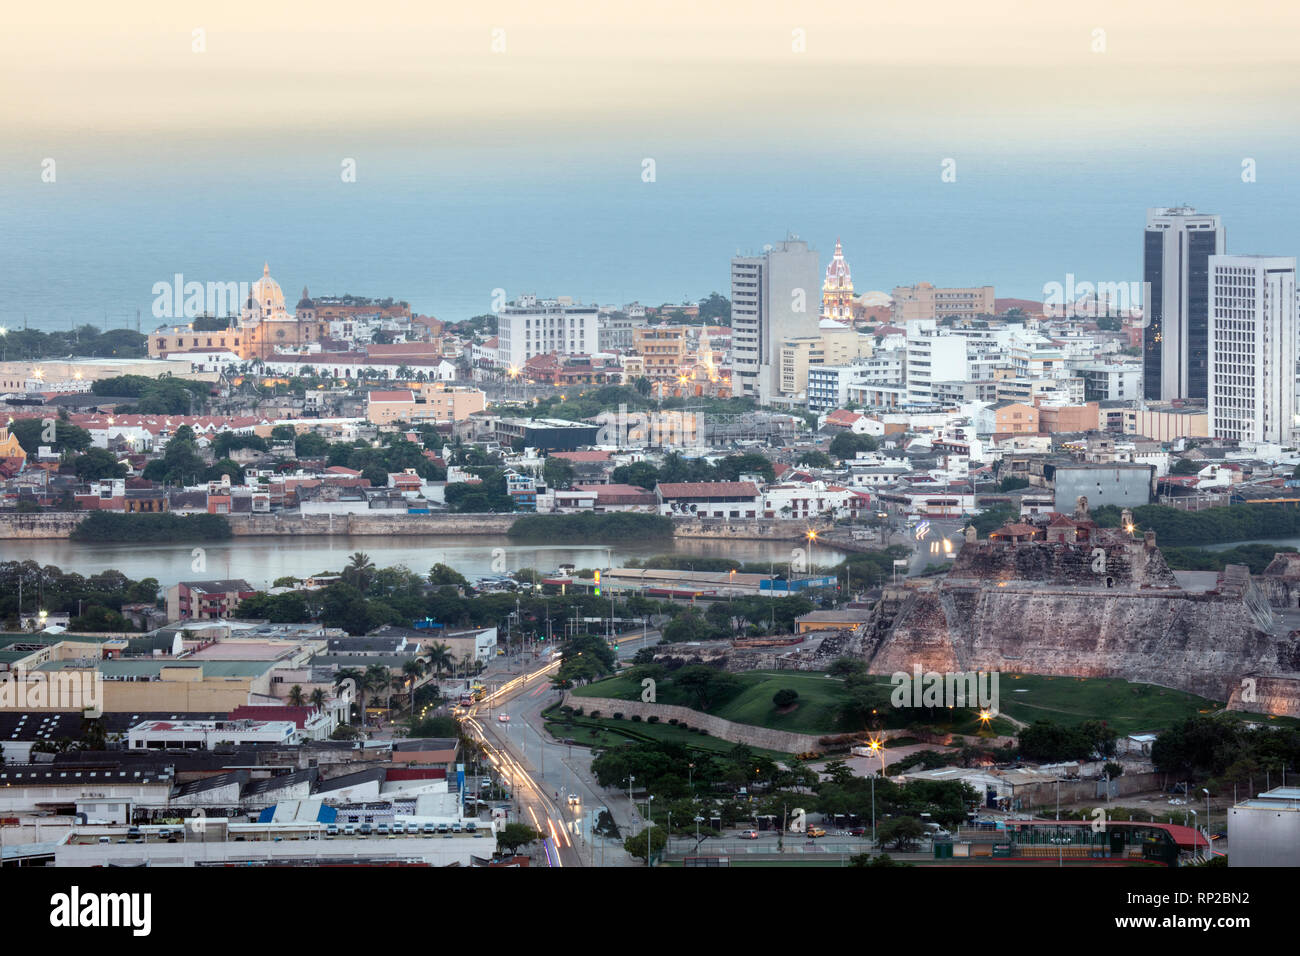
point(636, 718)
point(618, 715)
point(652, 719)
point(672, 720)
point(595, 713)
point(577, 711)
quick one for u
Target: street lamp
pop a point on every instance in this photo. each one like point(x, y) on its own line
point(1207, 822)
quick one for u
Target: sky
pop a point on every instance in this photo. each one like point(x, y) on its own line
point(504, 144)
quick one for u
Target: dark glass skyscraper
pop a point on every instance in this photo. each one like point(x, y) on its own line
point(1176, 250)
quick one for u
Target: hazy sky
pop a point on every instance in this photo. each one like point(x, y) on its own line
point(522, 169)
point(978, 71)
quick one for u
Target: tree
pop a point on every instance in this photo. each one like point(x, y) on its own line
point(283, 433)
point(1186, 466)
point(98, 464)
point(900, 833)
point(847, 445)
point(377, 678)
point(439, 657)
point(558, 472)
point(442, 575)
point(317, 698)
point(32, 433)
point(310, 445)
point(512, 836)
point(785, 697)
point(295, 696)
point(359, 571)
point(636, 845)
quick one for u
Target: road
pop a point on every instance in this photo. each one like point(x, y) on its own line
point(543, 773)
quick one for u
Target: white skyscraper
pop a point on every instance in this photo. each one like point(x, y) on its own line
point(773, 297)
point(1252, 348)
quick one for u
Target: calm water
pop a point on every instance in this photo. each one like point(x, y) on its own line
point(442, 228)
point(261, 560)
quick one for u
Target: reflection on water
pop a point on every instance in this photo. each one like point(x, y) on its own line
point(261, 560)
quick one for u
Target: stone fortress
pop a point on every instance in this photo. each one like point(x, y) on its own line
point(1063, 596)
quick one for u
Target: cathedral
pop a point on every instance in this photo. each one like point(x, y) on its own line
point(263, 327)
point(837, 290)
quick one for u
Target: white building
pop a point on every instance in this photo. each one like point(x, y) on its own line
point(1104, 382)
point(531, 326)
point(207, 734)
point(774, 297)
point(1252, 348)
point(933, 355)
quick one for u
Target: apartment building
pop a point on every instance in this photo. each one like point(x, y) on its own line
point(924, 301)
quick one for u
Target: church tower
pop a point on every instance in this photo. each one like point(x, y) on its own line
point(837, 290)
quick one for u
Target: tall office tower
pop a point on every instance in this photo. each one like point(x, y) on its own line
point(1252, 348)
point(773, 297)
point(1175, 266)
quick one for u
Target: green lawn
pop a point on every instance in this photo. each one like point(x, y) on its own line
point(1128, 708)
point(607, 732)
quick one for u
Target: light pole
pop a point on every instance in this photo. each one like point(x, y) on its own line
point(1207, 823)
point(649, 824)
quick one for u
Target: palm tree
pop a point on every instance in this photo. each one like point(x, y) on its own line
point(377, 678)
point(359, 571)
point(412, 671)
point(317, 699)
point(439, 657)
point(295, 696)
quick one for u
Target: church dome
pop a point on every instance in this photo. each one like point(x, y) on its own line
point(266, 292)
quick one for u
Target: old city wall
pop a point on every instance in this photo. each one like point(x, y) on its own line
point(763, 737)
point(394, 523)
point(1201, 643)
point(751, 529)
point(39, 525)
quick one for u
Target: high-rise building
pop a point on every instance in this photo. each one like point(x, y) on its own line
point(1252, 348)
point(772, 299)
point(1175, 267)
point(837, 288)
point(533, 326)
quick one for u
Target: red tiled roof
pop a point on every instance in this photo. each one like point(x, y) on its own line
point(579, 456)
point(708, 489)
point(401, 395)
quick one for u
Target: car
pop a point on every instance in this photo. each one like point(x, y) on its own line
point(455, 828)
point(365, 830)
point(331, 831)
point(471, 827)
point(749, 835)
point(382, 830)
point(574, 800)
point(504, 718)
point(814, 832)
point(105, 839)
point(350, 829)
point(857, 831)
point(443, 828)
point(399, 828)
